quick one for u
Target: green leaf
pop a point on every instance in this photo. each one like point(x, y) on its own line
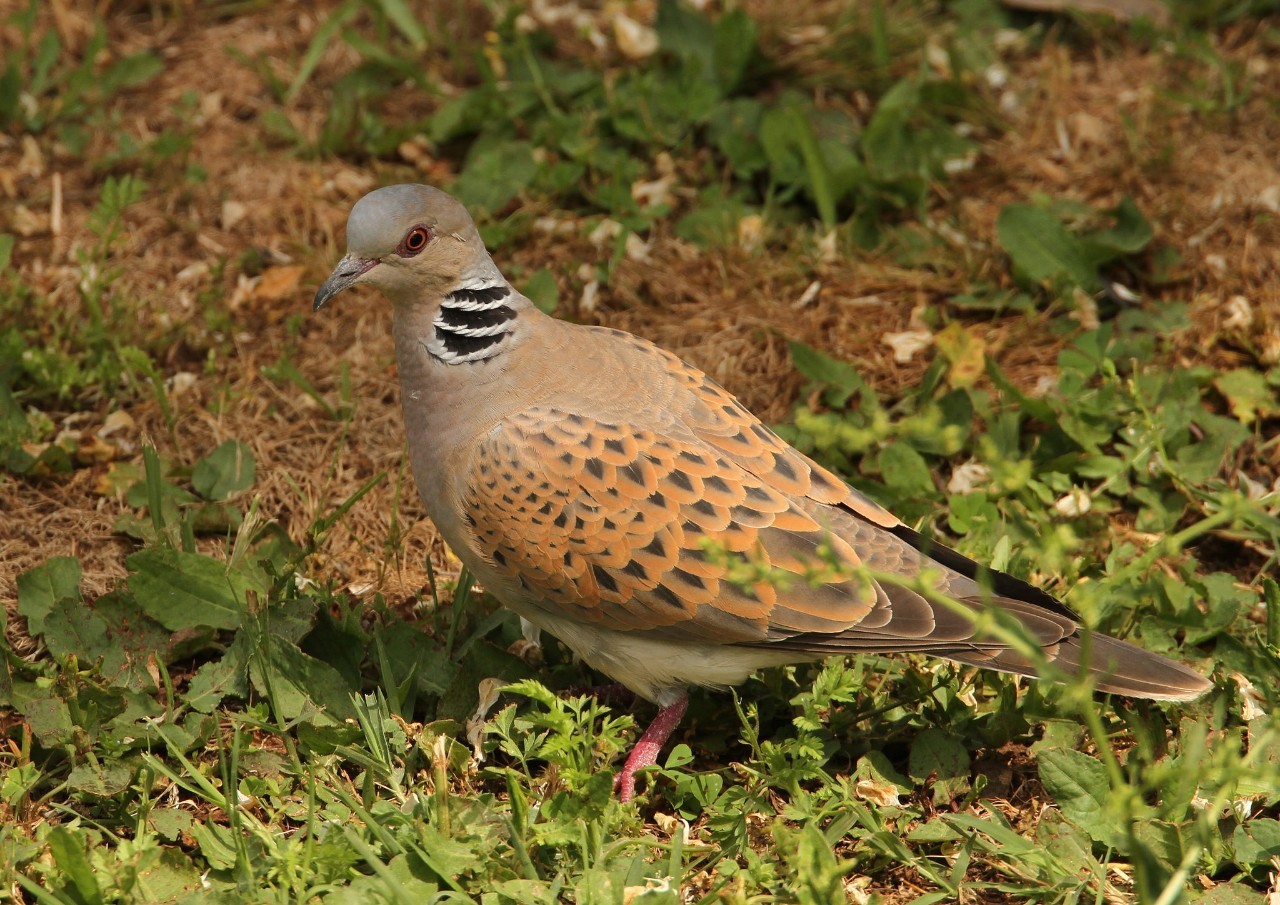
point(104, 779)
point(1079, 784)
point(966, 352)
point(299, 685)
point(6, 250)
point(541, 289)
point(1041, 247)
point(714, 220)
point(818, 874)
point(409, 650)
point(170, 823)
point(825, 369)
point(495, 172)
point(687, 34)
point(733, 128)
point(68, 853)
point(218, 844)
point(40, 588)
point(891, 146)
point(402, 17)
point(815, 164)
point(1237, 891)
point(1248, 394)
point(735, 44)
point(183, 590)
point(905, 471)
point(131, 71)
point(1256, 842)
point(1130, 234)
point(72, 628)
point(47, 715)
point(1066, 841)
point(228, 469)
point(940, 756)
point(219, 678)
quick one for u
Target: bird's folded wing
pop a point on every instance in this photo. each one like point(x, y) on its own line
point(699, 522)
point(632, 529)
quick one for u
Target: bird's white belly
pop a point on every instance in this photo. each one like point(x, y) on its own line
point(654, 668)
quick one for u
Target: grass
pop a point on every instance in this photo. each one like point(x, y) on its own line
point(238, 666)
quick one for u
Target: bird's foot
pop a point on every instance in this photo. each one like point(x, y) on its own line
point(645, 751)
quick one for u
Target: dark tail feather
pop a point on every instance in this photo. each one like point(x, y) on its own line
point(1117, 667)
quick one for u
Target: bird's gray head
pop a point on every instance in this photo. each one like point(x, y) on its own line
point(413, 242)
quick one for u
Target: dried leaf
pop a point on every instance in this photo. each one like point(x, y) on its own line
point(905, 345)
point(278, 282)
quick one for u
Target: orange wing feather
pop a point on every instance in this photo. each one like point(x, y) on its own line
point(622, 526)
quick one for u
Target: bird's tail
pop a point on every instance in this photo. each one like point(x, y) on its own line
point(1115, 666)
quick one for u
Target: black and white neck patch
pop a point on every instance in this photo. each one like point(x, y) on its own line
point(471, 324)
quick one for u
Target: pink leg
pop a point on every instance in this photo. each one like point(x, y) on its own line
point(646, 750)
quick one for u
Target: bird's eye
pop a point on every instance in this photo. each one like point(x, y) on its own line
point(414, 241)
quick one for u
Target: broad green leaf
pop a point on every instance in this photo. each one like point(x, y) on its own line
point(409, 650)
point(1079, 784)
point(217, 843)
point(905, 471)
point(889, 144)
point(494, 173)
point(170, 823)
point(40, 588)
point(299, 685)
point(217, 679)
point(1130, 234)
point(1256, 842)
point(135, 638)
point(184, 590)
point(6, 250)
point(139, 495)
point(1041, 247)
point(815, 165)
point(48, 716)
point(228, 469)
point(483, 660)
point(1248, 394)
point(778, 140)
point(73, 628)
point(131, 71)
point(1223, 600)
point(714, 220)
point(103, 779)
point(938, 756)
point(935, 830)
point(687, 34)
point(1066, 841)
point(1237, 891)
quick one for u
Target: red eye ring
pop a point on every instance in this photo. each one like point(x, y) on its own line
point(414, 241)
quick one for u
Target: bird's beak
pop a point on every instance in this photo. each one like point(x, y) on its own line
point(349, 269)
